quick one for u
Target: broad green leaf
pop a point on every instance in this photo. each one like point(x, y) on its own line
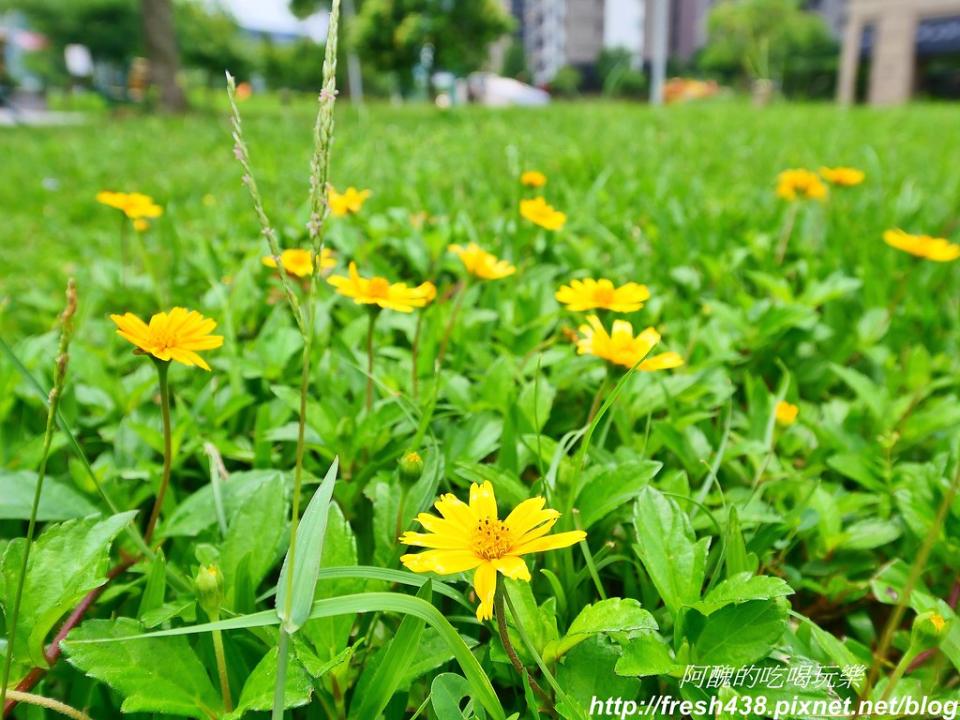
point(67, 561)
point(310, 535)
point(735, 556)
point(607, 616)
point(738, 635)
point(199, 511)
point(381, 680)
point(610, 488)
point(152, 675)
point(741, 588)
point(58, 500)
point(258, 690)
point(870, 533)
point(447, 692)
point(644, 655)
point(668, 548)
point(588, 671)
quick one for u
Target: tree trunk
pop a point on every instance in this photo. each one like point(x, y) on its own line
point(161, 45)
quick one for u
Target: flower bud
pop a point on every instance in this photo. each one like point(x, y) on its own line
point(411, 466)
point(927, 629)
point(209, 584)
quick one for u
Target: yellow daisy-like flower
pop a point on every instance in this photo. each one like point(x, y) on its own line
point(540, 212)
point(621, 348)
point(471, 537)
point(803, 184)
point(134, 205)
point(300, 262)
point(479, 262)
point(176, 335)
point(923, 246)
point(533, 178)
point(591, 294)
point(786, 413)
point(380, 291)
point(843, 176)
point(350, 201)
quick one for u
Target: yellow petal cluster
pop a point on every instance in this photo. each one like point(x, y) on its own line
point(802, 184)
point(923, 246)
point(349, 202)
point(134, 205)
point(621, 347)
point(786, 413)
point(842, 176)
point(533, 178)
point(600, 294)
point(299, 262)
point(479, 262)
point(540, 212)
point(469, 536)
point(380, 291)
point(176, 335)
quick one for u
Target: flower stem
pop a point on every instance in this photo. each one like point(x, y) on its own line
point(787, 232)
point(221, 665)
point(414, 358)
point(163, 366)
point(498, 610)
point(450, 323)
point(595, 405)
point(373, 321)
point(49, 704)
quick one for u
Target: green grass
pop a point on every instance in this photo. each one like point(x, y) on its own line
point(862, 337)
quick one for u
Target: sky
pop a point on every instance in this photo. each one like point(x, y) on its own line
point(274, 16)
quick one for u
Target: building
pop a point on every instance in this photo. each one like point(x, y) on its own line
point(894, 37)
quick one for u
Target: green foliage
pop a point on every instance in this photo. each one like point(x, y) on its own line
point(567, 81)
point(761, 37)
point(391, 33)
point(618, 76)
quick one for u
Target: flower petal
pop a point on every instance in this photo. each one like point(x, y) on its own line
point(485, 583)
point(550, 542)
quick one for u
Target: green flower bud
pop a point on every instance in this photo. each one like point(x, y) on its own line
point(209, 584)
point(927, 629)
point(411, 466)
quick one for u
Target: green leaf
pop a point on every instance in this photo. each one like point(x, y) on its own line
point(199, 511)
point(607, 616)
point(310, 535)
point(668, 548)
point(741, 588)
point(67, 561)
point(644, 655)
point(447, 692)
point(735, 557)
point(610, 488)
point(58, 500)
point(258, 690)
point(381, 680)
point(587, 671)
point(738, 635)
point(153, 675)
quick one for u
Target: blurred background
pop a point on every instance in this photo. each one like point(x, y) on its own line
point(150, 55)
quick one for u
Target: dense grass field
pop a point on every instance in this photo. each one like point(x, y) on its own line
point(717, 535)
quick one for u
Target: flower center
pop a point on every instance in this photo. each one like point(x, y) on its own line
point(492, 539)
point(379, 287)
point(603, 296)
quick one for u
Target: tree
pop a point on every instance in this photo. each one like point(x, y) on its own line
point(210, 41)
point(759, 36)
point(160, 42)
point(392, 33)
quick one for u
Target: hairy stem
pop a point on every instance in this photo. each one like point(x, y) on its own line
point(787, 231)
point(163, 368)
point(47, 703)
point(370, 328)
point(450, 323)
point(499, 611)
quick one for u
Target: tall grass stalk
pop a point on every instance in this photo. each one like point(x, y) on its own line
point(303, 315)
point(59, 380)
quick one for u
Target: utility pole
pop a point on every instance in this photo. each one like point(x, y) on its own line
point(661, 15)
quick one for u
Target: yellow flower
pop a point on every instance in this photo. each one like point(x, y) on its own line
point(591, 294)
point(786, 413)
point(622, 348)
point(141, 225)
point(924, 246)
point(479, 262)
point(134, 205)
point(350, 201)
point(804, 184)
point(471, 537)
point(842, 176)
point(176, 335)
point(539, 212)
point(379, 291)
point(300, 262)
point(533, 178)
point(936, 619)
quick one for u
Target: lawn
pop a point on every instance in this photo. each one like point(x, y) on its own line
point(721, 532)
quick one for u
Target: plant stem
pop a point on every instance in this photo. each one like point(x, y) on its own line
point(787, 231)
point(595, 405)
point(498, 610)
point(278, 692)
point(123, 249)
point(221, 665)
point(47, 703)
point(373, 321)
point(449, 329)
point(415, 357)
point(163, 367)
